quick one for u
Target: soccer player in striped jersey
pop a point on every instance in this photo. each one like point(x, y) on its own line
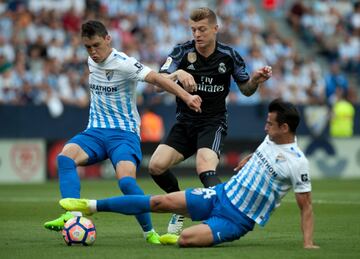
point(203, 66)
point(114, 124)
point(230, 210)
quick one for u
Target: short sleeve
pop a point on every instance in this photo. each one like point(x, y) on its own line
point(134, 69)
point(173, 60)
point(240, 72)
point(300, 178)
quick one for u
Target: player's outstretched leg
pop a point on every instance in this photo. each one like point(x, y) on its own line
point(83, 205)
point(169, 239)
point(129, 186)
point(58, 224)
point(128, 204)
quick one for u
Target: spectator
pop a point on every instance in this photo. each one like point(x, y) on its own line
point(152, 126)
point(342, 119)
point(333, 80)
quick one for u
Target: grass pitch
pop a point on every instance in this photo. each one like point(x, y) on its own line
point(24, 209)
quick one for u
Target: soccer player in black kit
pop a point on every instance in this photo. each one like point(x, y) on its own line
point(203, 66)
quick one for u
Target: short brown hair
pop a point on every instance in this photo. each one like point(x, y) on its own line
point(93, 28)
point(286, 113)
point(201, 13)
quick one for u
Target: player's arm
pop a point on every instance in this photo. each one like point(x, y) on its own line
point(307, 219)
point(185, 78)
point(243, 162)
point(193, 101)
point(261, 75)
point(171, 76)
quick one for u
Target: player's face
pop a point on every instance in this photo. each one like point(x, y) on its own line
point(97, 47)
point(272, 127)
point(204, 33)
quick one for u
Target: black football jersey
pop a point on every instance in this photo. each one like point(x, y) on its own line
point(212, 75)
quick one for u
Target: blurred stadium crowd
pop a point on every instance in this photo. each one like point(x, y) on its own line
point(42, 59)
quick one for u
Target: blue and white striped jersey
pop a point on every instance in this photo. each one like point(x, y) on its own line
point(113, 92)
point(257, 189)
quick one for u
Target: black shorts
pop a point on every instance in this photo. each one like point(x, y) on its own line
point(187, 137)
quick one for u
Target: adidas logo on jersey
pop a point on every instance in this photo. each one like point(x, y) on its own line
point(191, 67)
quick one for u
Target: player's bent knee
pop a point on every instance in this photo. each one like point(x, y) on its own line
point(160, 203)
point(186, 240)
point(156, 168)
point(182, 241)
point(194, 238)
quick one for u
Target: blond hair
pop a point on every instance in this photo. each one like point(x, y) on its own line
point(201, 13)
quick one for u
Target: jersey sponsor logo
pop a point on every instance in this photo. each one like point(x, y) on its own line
point(191, 57)
point(222, 68)
point(166, 64)
point(100, 89)
point(266, 163)
point(206, 85)
point(109, 74)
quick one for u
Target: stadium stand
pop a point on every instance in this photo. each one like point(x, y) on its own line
point(42, 61)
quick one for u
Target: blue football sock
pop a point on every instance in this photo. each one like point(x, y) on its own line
point(129, 186)
point(127, 204)
point(68, 178)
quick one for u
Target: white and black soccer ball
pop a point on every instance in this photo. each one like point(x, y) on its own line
point(79, 230)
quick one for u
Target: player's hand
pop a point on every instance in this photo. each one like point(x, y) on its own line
point(262, 74)
point(194, 102)
point(187, 81)
point(242, 163)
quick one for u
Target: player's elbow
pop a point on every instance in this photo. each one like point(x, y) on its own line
point(245, 90)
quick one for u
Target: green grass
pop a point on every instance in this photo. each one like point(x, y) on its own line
point(24, 209)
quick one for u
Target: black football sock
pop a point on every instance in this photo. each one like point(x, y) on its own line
point(209, 178)
point(167, 181)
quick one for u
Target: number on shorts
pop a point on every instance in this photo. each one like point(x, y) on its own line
point(208, 193)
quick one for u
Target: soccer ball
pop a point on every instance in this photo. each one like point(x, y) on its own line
point(79, 230)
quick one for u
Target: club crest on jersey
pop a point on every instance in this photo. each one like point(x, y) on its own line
point(280, 158)
point(166, 64)
point(222, 68)
point(191, 57)
point(109, 74)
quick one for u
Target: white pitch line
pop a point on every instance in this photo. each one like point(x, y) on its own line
point(28, 199)
point(328, 202)
point(34, 199)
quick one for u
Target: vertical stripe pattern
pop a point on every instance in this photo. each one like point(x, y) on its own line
point(257, 189)
point(113, 92)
